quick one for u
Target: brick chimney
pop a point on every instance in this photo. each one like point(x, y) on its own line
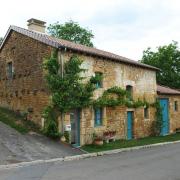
point(36, 25)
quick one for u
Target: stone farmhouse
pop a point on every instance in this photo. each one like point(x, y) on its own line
point(23, 87)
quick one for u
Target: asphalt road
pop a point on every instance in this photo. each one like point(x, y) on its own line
point(157, 163)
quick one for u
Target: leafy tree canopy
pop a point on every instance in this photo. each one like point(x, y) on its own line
point(167, 59)
point(71, 31)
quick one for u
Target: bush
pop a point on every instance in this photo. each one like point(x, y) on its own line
point(66, 135)
point(51, 124)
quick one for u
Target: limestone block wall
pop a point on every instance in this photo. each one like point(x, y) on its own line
point(26, 91)
point(174, 116)
point(143, 82)
point(115, 119)
point(142, 126)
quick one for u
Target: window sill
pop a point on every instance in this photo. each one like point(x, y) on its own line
point(99, 126)
point(146, 119)
point(99, 88)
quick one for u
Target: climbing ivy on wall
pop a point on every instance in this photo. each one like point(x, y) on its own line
point(69, 91)
point(158, 123)
point(67, 88)
point(120, 98)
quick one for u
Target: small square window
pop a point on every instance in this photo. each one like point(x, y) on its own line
point(129, 90)
point(98, 117)
point(146, 113)
point(175, 105)
point(99, 82)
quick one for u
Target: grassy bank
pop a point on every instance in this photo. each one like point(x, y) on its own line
point(118, 144)
point(17, 121)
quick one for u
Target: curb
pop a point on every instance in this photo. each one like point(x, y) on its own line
point(84, 156)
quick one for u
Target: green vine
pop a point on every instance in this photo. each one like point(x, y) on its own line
point(158, 123)
point(51, 124)
point(96, 79)
point(67, 89)
point(69, 92)
point(120, 98)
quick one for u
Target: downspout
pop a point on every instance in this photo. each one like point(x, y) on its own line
point(61, 71)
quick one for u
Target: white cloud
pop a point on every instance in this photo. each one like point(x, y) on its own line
point(125, 27)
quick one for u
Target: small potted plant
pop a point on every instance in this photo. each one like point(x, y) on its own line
point(106, 136)
point(98, 140)
point(112, 135)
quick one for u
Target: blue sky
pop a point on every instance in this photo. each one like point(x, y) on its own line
point(124, 27)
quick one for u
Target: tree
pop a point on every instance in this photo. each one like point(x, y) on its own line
point(167, 59)
point(1, 39)
point(71, 31)
point(68, 92)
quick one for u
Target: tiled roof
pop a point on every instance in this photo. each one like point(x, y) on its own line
point(167, 90)
point(60, 43)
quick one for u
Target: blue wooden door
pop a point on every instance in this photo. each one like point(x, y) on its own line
point(164, 103)
point(129, 125)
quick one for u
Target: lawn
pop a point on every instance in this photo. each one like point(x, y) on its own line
point(118, 144)
point(17, 121)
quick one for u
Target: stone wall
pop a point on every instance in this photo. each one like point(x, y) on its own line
point(26, 91)
point(174, 116)
point(143, 82)
point(115, 119)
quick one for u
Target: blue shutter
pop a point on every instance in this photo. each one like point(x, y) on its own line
point(98, 85)
point(98, 116)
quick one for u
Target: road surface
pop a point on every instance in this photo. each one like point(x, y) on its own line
point(157, 163)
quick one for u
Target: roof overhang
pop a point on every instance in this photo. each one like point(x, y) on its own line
point(56, 43)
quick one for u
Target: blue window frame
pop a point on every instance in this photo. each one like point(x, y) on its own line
point(98, 117)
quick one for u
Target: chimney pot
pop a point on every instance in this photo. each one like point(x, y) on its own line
point(36, 25)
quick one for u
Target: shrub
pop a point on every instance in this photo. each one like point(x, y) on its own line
point(66, 135)
point(51, 124)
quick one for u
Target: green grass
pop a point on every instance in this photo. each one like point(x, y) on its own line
point(118, 144)
point(17, 121)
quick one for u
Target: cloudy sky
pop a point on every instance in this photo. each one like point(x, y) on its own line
point(124, 27)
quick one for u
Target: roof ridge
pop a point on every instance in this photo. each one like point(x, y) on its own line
point(57, 43)
point(44, 34)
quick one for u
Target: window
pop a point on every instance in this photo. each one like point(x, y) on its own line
point(175, 106)
point(146, 113)
point(98, 75)
point(9, 70)
point(98, 117)
point(129, 92)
